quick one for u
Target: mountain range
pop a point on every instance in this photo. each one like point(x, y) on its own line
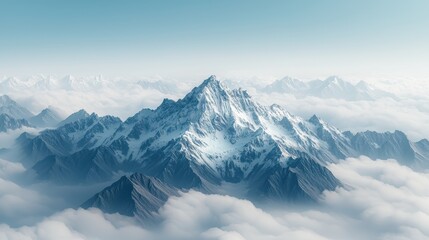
point(211, 136)
point(331, 87)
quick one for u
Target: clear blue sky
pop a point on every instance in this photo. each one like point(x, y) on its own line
point(201, 37)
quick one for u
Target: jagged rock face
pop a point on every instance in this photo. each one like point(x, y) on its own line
point(384, 145)
point(9, 123)
point(82, 134)
point(137, 195)
point(300, 180)
point(85, 166)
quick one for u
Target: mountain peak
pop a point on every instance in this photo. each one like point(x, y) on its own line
point(212, 81)
point(334, 79)
point(212, 78)
point(81, 114)
point(211, 87)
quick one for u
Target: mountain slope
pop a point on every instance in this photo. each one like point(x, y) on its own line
point(86, 166)
point(301, 180)
point(81, 114)
point(72, 137)
point(9, 123)
point(136, 195)
point(46, 118)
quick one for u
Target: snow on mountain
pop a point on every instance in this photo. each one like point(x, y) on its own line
point(13, 109)
point(212, 135)
point(48, 117)
point(73, 83)
point(331, 87)
point(12, 83)
point(287, 85)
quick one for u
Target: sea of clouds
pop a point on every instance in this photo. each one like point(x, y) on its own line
point(381, 200)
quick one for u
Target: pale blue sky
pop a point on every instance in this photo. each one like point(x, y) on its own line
point(224, 37)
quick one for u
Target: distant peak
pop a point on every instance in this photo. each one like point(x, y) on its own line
point(81, 111)
point(334, 79)
point(210, 83)
point(315, 119)
point(46, 110)
point(362, 84)
point(167, 101)
point(5, 99)
point(288, 79)
point(211, 80)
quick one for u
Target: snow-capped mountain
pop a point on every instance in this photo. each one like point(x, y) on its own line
point(80, 84)
point(331, 87)
point(9, 123)
point(48, 117)
point(210, 136)
point(13, 109)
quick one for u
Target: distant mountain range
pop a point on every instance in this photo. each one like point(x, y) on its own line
point(332, 87)
point(211, 136)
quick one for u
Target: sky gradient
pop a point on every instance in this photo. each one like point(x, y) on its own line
point(229, 38)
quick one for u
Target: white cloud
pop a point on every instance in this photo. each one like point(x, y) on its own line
point(9, 169)
point(198, 216)
point(77, 225)
point(19, 205)
point(382, 200)
point(388, 197)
